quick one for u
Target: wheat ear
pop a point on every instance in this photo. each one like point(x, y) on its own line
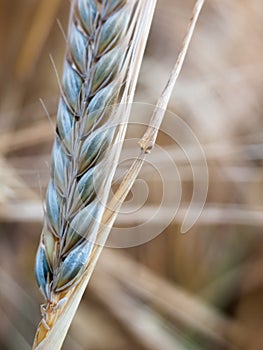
point(106, 40)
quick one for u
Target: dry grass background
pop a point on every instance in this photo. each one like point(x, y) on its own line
point(202, 290)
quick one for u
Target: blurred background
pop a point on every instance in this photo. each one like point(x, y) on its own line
point(201, 290)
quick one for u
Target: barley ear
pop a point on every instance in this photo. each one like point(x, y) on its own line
point(106, 41)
